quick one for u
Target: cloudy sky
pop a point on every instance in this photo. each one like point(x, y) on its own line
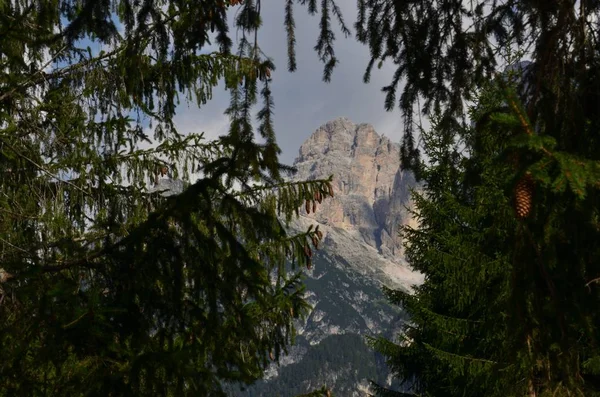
point(303, 101)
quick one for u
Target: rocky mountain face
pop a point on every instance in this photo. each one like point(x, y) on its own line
point(371, 190)
point(361, 251)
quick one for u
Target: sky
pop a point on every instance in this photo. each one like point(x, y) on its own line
point(303, 102)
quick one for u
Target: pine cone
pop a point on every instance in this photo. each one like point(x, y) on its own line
point(307, 206)
point(330, 189)
point(315, 241)
point(318, 197)
point(307, 251)
point(524, 196)
point(314, 207)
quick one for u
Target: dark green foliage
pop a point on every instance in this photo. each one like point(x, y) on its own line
point(507, 308)
point(326, 37)
point(106, 287)
point(509, 305)
point(344, 356)
point(322, 392)
point(457, 330)
point(444, 50)
point(340, 361)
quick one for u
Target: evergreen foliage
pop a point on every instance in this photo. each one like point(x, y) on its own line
point(444, 50)
point(508, 307)
point(343, 356)
point(111, 288)
point(508, 218)
point(341, 360)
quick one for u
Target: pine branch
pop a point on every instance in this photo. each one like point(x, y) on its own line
point(595, 280)
point(290, 28)
point(446, 354)
point(43, 169)
point(43, 76)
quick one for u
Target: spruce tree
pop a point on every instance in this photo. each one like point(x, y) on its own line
point(508, 307)
point(107, 285)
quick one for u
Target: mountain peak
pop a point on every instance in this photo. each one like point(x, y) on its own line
point(371, 191)
point(341, 136)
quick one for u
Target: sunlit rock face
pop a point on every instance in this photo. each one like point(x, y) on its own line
point(372, 193)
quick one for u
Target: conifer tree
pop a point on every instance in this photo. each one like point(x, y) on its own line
point(109, 287)
point(508, 307)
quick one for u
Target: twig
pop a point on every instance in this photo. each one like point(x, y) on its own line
point(44, 169)
point(14, 246)
point(596, 280)
point(79, 262)
point(30, 80)
point(18, 215)
point(75, 321)
point(58, 73)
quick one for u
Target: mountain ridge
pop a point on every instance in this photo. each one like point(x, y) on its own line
point(361, 251)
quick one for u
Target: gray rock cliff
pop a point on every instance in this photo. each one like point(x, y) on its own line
point(372, 193)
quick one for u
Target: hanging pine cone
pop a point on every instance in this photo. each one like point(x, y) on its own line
point(314, 206)
point(5, 276)
point(315, 241)
point(318, 197)
point(524, 196)
point(307, 206)
point(330, 188)
point(307, 251)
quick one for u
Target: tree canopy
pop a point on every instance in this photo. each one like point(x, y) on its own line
point(109, 286)
point(508, 214)
point(444, 50)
